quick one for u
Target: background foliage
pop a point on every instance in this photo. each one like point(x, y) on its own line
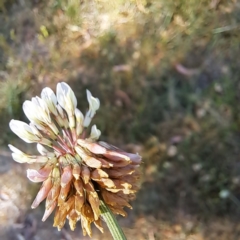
point(167, 74)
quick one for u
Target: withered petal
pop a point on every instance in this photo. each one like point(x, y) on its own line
point(89, 187)
point(79, 201)
point(105, 163)
point(86, 219)
point(64, 192)
point(98, 174)
point(120, 163)
point(66, 176)
point(85, 174)
point(105, 182)
point(95, 203)
point(125, 191)
point(118, 210)
point(114, 199)
point(76, 171)
point(73, 218)
point(42, 193)
point(120, 172)
point(60, 218)
point(48, 211)
point(78, 184)
point(52, 195)
point(98, 224)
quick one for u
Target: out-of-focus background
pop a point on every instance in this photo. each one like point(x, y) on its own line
point(167, 74)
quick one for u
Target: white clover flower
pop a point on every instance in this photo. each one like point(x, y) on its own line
point(76, 170)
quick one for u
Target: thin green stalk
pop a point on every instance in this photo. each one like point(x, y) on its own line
point(115, 229)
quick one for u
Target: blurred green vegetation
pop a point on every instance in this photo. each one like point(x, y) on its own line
point(167, 74)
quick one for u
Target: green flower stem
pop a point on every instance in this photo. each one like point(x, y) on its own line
point(115, 229)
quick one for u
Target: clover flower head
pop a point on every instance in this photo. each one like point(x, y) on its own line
point(77, 170)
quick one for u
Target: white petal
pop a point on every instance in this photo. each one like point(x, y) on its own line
point(60, 95)
point(35, 130)
point(15, 150)
point(17, 126)
point(66, 96)
point(43, 112)
point(50, 99)
point(60, 111)
point(79, 115)
point(47, 93)
point(32, 112)
point(95, 133)
point(19, 158)
point(94, 103)
point(41, 149)
point(23, 130)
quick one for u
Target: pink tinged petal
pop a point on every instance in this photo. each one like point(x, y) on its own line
point(93, 147)
point(42, 193)
point(45, 171)
point(135, 158)
point(34, 176)
point(66, 176)
point(48, 211)
point(92, 162)
point(116, 156)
